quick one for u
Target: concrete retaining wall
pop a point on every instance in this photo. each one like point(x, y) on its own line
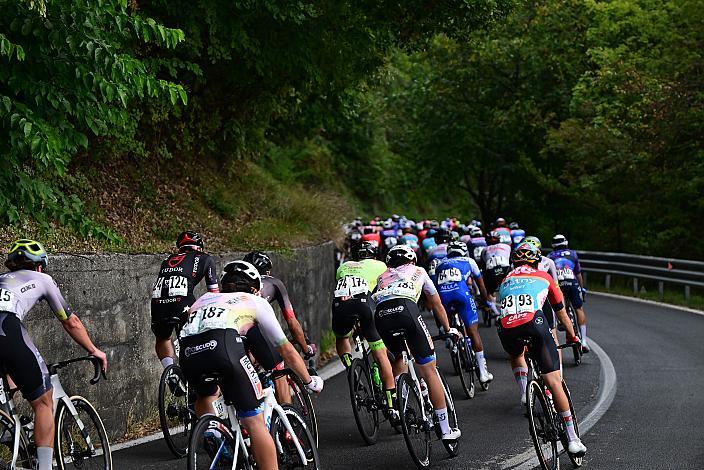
point(111, 294)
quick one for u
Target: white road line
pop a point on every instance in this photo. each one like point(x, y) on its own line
point(607, 391)
point(646, 301)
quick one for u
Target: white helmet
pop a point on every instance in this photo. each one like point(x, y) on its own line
point(399, 255)
point(241, 271)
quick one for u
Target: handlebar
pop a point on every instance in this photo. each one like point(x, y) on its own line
point(97, 365)
point(568, 345)
point(442, 337)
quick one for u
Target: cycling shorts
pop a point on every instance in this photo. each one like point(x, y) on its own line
point(395, 315)
point(345, 314)
point(461, 303)
point(265, 354)
point(572, 292)
point(544, 349)
point(494, 277)
point(163, 311)
point(222, 352)
point(21, 359)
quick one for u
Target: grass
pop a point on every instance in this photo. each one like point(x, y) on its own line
point(648, 290)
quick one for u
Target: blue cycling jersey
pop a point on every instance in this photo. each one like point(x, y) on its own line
point(452, 273)
point(566, 263)
point(410, 240)
point(428, 244)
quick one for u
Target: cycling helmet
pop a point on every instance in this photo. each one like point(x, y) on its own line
point(24, 252)
point(364, 250)
point(455, 235)
point(476, 223)
point(390, 242)
point(513, 226)
point(400, 255)
point(535, 241)
point(259, 260)
point(475, 232)
point(355, 236)
point(388, 224)
point(442, 236)
point(431, 233)
point(434, 224)
point(395, 217)
point(526, 253)
point(243, 275)
point(189, 239)
point(493, 237)
point(457, 248)
point(559, 241)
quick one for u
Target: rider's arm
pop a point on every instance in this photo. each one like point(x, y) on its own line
point(211, 278)
point(434, 303)
point(75, 329)
point(557, 301)
point(294, 326)
point(294, 361)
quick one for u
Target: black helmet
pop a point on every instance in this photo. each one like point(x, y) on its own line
point(513, 226)
point(243, 275)
point(493, 238)
point(457, 248)
point(189, 239)
point(442, 236)
point(475, 232)
point(24, 253)
point(363, 250)
point(259, 260)
point(559, 241)
point(400, 255)
point(526, 253)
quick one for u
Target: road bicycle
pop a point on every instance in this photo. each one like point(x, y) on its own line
point(546, 426)
point(366, 390)
point(416, 412)
point(464, 359)
point(220, 442)
point(175, 402)
point(80, 439)
point(301, 399)
point(577, 347)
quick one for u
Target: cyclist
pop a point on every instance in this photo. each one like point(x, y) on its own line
point(517, 234)
point(398, 290)
point(172, 292)
point(496, 261)
point(504, 232)
point(273, 290)
point(454, 276)
point(409, 238)
point(20, 290)
point(521, 296)
point(569, 274)
point(477, 243)
point(371, 235)
point(212, 343)
point(356, 280)
point(439, 251)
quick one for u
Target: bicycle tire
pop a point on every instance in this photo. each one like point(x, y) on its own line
point(576, 461)
point(303, 402)
point(540, 423)
point(576, 350)
point(202, 454)
point(287, 454)
point(452, 448)
point(78, 449)
point(364, 407)
point(174, 413)
point(413, 423)
point(466, 373)
point(25, 458)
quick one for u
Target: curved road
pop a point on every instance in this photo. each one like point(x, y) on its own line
point(654, 421)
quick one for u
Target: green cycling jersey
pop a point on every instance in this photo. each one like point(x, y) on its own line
point(367, 269)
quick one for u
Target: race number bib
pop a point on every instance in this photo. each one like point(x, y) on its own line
point(206, 318)
point(433, 266)
point(496, 262)
point(478, 250)
point(405, 289)
point(7, 300)
point(177, 286)
point(505, 238)
point(350, 286)
point(447, 276)
point(565, 274)
point(517, 304)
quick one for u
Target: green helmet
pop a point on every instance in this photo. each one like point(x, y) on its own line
point(25, 249)
point(535, 241)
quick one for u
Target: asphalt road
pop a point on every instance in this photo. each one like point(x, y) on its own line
point(654, 421)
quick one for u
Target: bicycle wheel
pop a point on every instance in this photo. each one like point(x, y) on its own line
point(288, 455)
point(415, 428)
point(364, 407)
point(303, 402)
point(80, 440)
point(576, 350)
point(175, 416)
point(453, 448)
point(466, 369)
point(576, 461)
point(541, 426)
point(7, 433)
point(212, 445)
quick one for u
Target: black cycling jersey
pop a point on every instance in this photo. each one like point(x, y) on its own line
point(172, 292)
point(273, 290)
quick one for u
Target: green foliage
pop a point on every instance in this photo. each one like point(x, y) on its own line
point(68, 70)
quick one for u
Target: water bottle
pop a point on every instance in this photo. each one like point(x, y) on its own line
point(375, 375)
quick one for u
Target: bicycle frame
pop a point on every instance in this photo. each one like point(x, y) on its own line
point(408, 361)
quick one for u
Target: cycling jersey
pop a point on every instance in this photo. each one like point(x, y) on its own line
point(428, 244)
point(453, 273)
point(476, 247)
point(356, 277)
point(421, 235)
point(373, 238)
point(523, 293)
point(517, 235)
point(547, 265)
point(567, 264)
point(273, 290)
point(438, 252)
point(496, 256)
point(504, 235)
point(239, 311)
point(410, 240)
point(405, 282)
point(23, 289)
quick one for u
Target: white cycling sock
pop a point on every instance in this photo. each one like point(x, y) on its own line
point(569, 425)
point(583, 331)
point(442, 419)
point(44, 455)
point(167, 361)
point(480, 361)
point(521, 375)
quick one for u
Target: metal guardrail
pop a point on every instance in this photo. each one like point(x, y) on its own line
point(682, 272)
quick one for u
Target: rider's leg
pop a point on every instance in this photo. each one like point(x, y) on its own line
point(344, 350)
point(165, 351)
point(43, 408)
point(282, 390)
point(554, 382)
point(204, 405)
point(381, 357)
point(582, 322)
point(262, 444)
point(520, 373)
point(430, 373)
